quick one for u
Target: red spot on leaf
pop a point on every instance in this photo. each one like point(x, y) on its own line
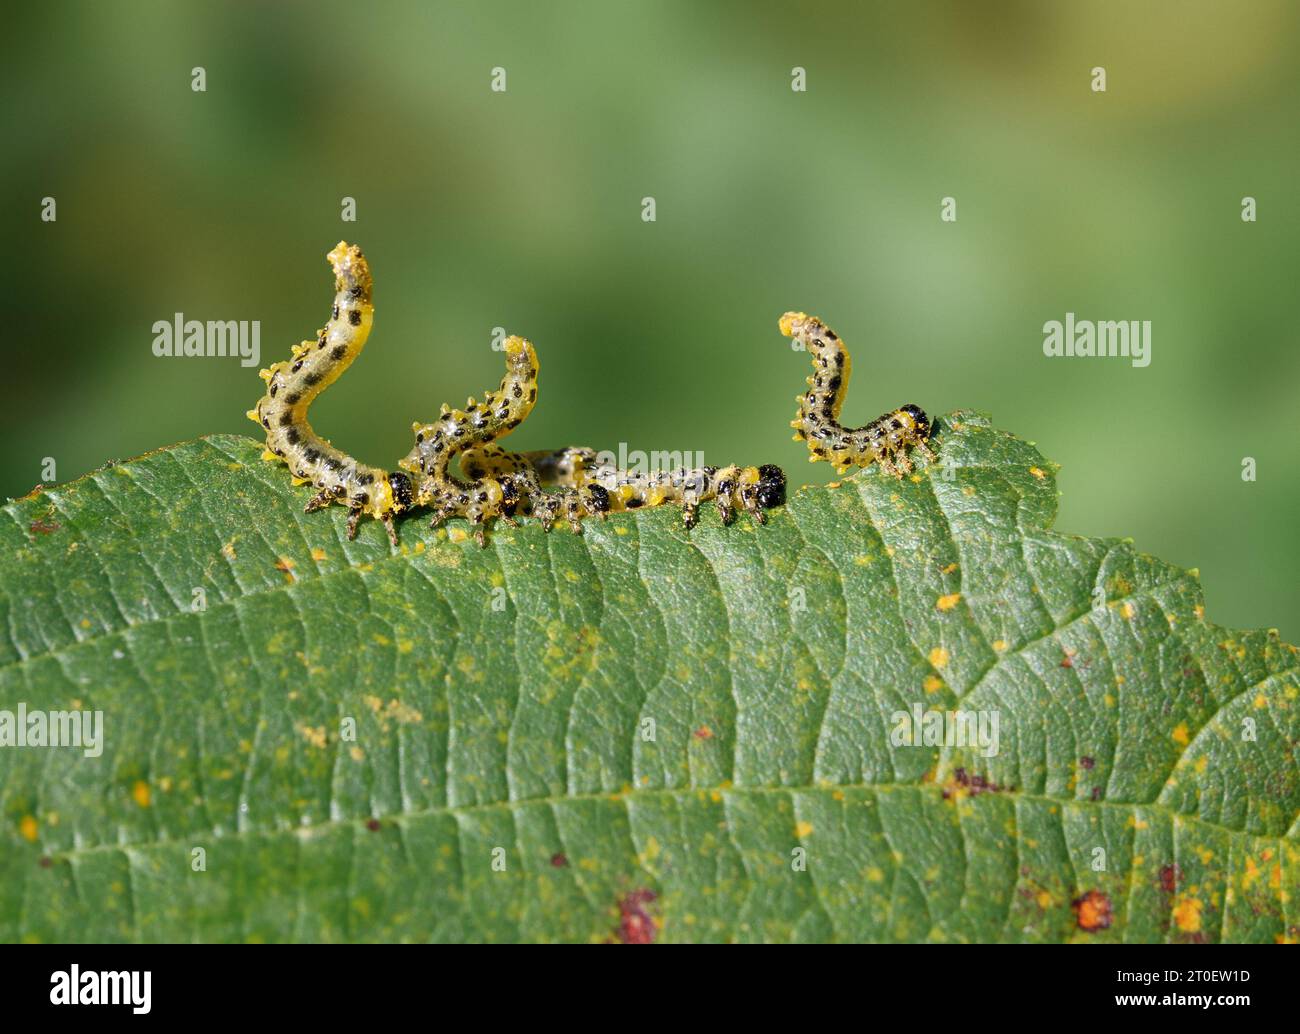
point(373, 825)
point(559, 860)
point(1169, 877)
point(1092, 911)
point(635, 924)
point(1086, 762)
point(973, 784)
point(43, 527)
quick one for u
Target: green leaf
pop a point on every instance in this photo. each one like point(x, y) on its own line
point(647, 731)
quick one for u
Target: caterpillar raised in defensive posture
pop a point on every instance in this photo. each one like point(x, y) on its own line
point(885, 440)
point(494, 492)
point(292, 386)
point(753, 489)
point(501, 484)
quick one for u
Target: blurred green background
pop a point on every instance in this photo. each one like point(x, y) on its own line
point(523, 210)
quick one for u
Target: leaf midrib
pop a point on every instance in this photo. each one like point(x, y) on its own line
point(315, 829)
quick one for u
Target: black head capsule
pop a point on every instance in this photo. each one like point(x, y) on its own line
point(771, 486)
point(921, 421)
point(598, 499)
point(401, 486)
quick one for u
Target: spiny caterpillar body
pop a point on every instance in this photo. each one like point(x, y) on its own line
point(507, 485)
point(752, 489)
point(291, 388)
point(492, 493)
point(501, 484)
point(885, 440)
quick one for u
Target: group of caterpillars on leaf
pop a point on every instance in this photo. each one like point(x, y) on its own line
point(496, 484)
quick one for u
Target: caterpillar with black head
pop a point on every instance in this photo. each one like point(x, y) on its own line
point(291, 388)
point(886, 440)
point(752, 489)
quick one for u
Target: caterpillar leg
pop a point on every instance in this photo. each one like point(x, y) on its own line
point(322, 499)
point(750, 491)
point(727, 486)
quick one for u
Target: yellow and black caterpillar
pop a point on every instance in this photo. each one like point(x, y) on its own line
point(491, 493)
point(886, 440)
point(577, 468)
point(500, 484)
point(292, 386)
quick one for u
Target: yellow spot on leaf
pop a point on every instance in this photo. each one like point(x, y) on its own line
point(949, 601)
point(314, 736)
point(141, 794)
point(1181, 734)
point(803, 829)
point(29, 828)
point(1187, 914)
point(939, 657)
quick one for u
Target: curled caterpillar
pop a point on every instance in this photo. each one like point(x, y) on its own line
point(491, 493)
point(885, 440)
point(752, 489)
point(292, 386)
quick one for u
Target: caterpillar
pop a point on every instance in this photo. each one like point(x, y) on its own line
point(494, 491)
point(292, 386)
point(886, 440)
point(752, 489)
